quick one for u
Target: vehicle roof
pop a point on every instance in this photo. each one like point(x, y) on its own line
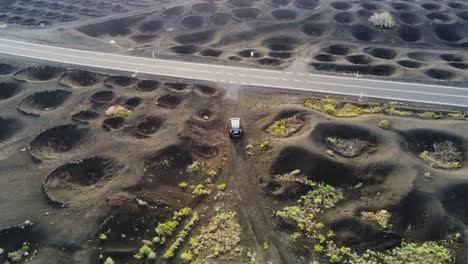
point(235, 122)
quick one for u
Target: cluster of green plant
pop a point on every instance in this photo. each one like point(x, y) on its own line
point(186, 257)
point(146, 251)
point(109, 260)
point(266, 246)
point(382, 217)
point(409, 252)
point(170, 252)
point(17, 256)
point(200, 190)
point(334, 108)
point(220, 237)
point(166, 228)
point(384, 20)
point(303, 214)
point(194, 167)
point(183, 185)
point(429, 115)
point(221, 187)
point(102, 236)
point(445, 155)
point(265, 144)
point(279, 127)
point(384, 124)
point(118, 111)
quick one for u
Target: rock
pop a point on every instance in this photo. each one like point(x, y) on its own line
point(384, 124)
point(330, 153)
point(295, 172)
point(1, 251)
point(206, 117)
point(359, 185)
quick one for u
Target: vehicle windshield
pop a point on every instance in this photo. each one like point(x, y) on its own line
point(233, 131)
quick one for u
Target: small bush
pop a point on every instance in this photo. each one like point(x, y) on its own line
point(166, 228)
point(221, 187)
point(109, 260)
point(186, 257)
point(383, 20)
point(384, 124)
point(200, 190)
point(183, 185)
point(194, 167)
point(118, 111)
point(329, 109)
point(102, 236)
point(429, 115)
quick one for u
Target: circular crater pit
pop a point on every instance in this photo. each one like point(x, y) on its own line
point(324, 58)
point(306, 4)
point(269, 62)
point(174, 11)
point(450, 32)
point(344, 18)
point(279, 2)
point(74, 180)
point(42, 102)
point(85, 116)
point(151, 26)
point(431, 6)
point(103, 97)
point(281, 43)
point(206, 151)
point(402, 6)
point(283, 55)
point(409, 34)
point(80, 78)
point(383, 70)
point(57, 141)
point(176, 86)
point(220, 19)
point(439, 74)
point(457, 5)
point(185, 49)
point(9, 127)
point(439, 17)
point(452, 57)
point(241, 3)
point(211, 53)
point(120, 81)
point(192, 22)
point(40, 73)
point(463, 15)
point(382, 53)
point(314, 29)
point(436, 148)
point(423, 56)
point(250, 53)
point(9, 90)
point(341, 5)
point(347, 140)
point(363, 33)
point(149, 126)
point(147, 85)
point(245, 14)
point(205, 114)
point(410, 64)
point(205, 8)
point(133, 102)
point(113, 123)
point(6, 68)
point(359, 59)
point(339, 49)
point(205, 89)
point(459, 65)
point(169, 100)
point(167, 166)
point(284, 14)
point(409, 18)
point(371, 6)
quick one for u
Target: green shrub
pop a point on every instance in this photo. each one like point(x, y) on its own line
point(384, 124)
point(166, 228)
point(200, 190)
point(109, 260)
point(329, 109)
point(194, 167)
point(186, 257)
point(145, 252)
point(183, 185)
point(429, 115)
point(383, 20)
point(456, 116)
point(102, 236)
point(318, 248)
point(221, 187)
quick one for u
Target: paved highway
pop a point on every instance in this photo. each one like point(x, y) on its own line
point(389, 90)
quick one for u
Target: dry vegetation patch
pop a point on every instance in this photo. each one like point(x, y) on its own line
point(286, 126)
point(443, 156)
point(350, 148)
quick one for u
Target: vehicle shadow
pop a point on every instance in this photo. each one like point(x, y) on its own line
point(239, 147)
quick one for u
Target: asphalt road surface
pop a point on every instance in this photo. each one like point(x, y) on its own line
point(389, 90)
